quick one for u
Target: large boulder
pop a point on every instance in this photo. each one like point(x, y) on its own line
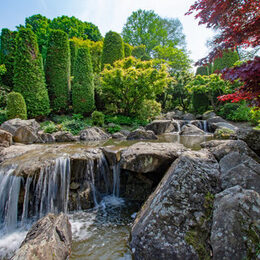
point(148, 157)
point(118, 135)
point(220, 125)
point(160, 126)
point(239, 169)
point(213, 120)
point(174, 223)
point(236, 224)
point(140, 134)
point(25, 135)
point(251, 137)
point(46, 137)
point(220, 148)
point(190, 129)
point(63, 137)
point(93, 134)
point(224, 133)
point(12, 125)
point(5, 138)
point(188, 116)
point(50, 238)
point(208, 114)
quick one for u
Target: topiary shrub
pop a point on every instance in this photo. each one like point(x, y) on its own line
point(73, 54)
point(226, 61)
point(113, 48)
point(7, 55)
point(58, 70)
point(16, 107)
point(203, 70)
point(98, 118)
point(83, 85)
point(3, 116)
point(28, 74)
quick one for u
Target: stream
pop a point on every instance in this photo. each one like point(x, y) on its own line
point(101, 232)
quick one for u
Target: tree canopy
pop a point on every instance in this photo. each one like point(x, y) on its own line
point(149, 29)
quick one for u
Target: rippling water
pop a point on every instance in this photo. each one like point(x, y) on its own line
point(103, 232)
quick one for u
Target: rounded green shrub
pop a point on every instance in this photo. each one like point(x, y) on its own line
point(58, 70)
point(149, 110)
point(98, 118)
point(16, 107)
point(83, 84)
point(28, 74)
point(3, 116)
point(113, 48)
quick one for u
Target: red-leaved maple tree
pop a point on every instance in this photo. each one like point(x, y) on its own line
point(239, 24)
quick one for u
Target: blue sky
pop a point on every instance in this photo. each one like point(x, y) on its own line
point(109, 15)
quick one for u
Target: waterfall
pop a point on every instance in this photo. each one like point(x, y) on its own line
point(116, 179)
point(178, 126)
point(205, 126)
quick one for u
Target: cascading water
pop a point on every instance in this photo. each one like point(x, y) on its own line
point(116, 179)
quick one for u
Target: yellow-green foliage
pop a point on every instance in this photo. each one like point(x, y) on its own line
point(7, 55)
point(58, 70)
point(149, 110)
point(128, 50)
point(98, 118)
point(130, 82)
point(83, 85)
point(113, 48)
point(95, 49)
point(28, 74)
point(16, 107)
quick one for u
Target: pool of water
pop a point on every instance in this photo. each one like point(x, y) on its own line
point(103, 232)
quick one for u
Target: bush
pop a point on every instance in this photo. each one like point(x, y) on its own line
point(16, 107)
point(226, 61)
point(113, 48)
point(149, 110)
point(58, 70)
point(49, 127)
point(203, 70)
point(127, 50)
point(200, 102)
point(235, 111)
point(124, 120)
point(3, 116)
point(28, 74)
point(98, 118)
point(83, 84)
point(255, 117)
point(113, 129)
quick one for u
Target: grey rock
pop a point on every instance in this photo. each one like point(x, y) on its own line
point(236, 224)
point(46, 137)
point(237, 169)
point(140, 134)
point(25, 135)
point(191, 130)
point(214, 120)
point(6, 139)
point(170, 115)
point(220, 148)
point(160, 126)
point(207, 115)
point(197, 123)
point(148, 157)
point(177, 210)
point(225, 133)
point(251, 137)
point(112, 155)
point(125, 132)
point(93, 134)
point(49, 238)
point(188, 116)
point(63, 136)
point(12, 125)
point(220, 125)
point(118, 135)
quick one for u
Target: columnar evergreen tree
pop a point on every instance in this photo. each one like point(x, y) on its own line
point(73, 53)
point(127, 50)
point(226, 61)
point(7, 55)
point(113, 48)
point(58, 70)
point(202, 70)
point(28, 74)
point(83, 85)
